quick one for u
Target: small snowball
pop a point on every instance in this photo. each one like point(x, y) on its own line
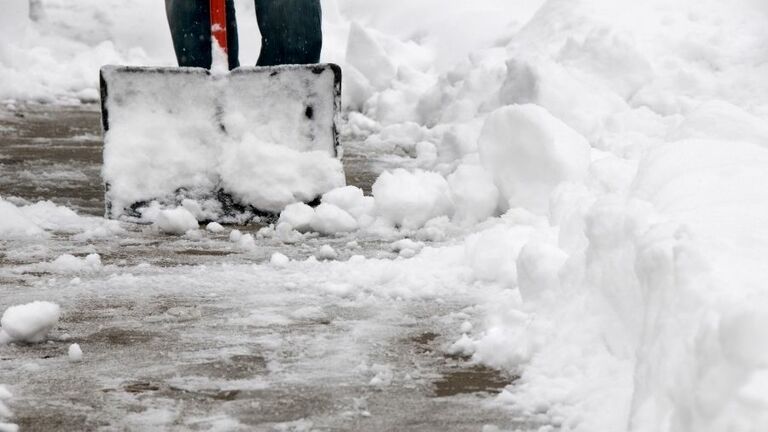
point(329, 219)
point(176, 221)
point(75, 353)
point(298, 215)
point(235, 236)
point(462, 347)
point(214, 227)
point(279, 260)
point(30, 322)
point(352, 200)
point(286, 233)
point(326, 253)
point(246, 242)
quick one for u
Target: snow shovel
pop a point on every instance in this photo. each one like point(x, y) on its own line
point(227, 146)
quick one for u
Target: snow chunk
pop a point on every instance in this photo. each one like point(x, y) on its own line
point(410, 199)
point(75, 353)
point(15, 224)
point(279, 260)
point(298, 216)
point(176, 221)
point(529, 152)
point(352, 200)
point(69, 264)
point(327, 253)
point(473, 192)
point(30, 322)
point(214, 227)
point(329, 219)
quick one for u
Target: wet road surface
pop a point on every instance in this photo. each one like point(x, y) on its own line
point(188, 334)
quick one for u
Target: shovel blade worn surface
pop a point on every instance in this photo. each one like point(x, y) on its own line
point(228, 146)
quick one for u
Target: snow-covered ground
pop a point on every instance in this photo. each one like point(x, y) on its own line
point(588, 173)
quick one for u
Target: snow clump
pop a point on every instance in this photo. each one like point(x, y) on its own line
point(30, 322)
point(408, 199)
point(70, 264)
point(176, 221)
point(75, 353)
point(5, 412)
point(214, 227)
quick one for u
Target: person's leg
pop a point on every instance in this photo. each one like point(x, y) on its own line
point(291, 31)
point(190, 23)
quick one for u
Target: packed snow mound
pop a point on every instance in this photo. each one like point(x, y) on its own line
point(530, 152)
point(30, 322)
point(409, 199)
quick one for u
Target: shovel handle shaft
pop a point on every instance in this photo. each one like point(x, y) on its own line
point(219, 23)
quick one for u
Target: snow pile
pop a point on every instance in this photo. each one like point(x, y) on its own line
point(36, 221)
point(5, 412)
point(30, 322)
point(69, 264)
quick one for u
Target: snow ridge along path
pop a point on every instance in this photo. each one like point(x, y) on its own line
point(581, 179)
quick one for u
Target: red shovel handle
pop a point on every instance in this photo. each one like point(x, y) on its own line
point(219, 22)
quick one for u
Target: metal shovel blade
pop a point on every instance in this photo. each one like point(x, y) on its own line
point(230, 146)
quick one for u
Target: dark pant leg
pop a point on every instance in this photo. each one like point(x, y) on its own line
point(291, 31)
point(190, 22)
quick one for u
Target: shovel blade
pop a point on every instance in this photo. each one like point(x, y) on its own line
point(227, 146)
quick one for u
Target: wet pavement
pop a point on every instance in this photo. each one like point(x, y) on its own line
point(193, 334)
